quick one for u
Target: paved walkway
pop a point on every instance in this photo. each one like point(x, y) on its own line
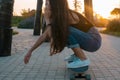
point(105, 63)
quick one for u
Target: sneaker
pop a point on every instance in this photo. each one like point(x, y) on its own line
point(71, 58)
point(78, 63)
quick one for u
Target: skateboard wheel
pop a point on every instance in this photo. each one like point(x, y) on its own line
point(88, 77)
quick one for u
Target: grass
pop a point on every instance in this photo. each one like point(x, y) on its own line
point(15, 32)
point(111, 33)
point(16, 20)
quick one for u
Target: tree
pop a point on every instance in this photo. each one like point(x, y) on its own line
point(6, 9)
point(88, 9)
point(116, 12)
point(27, 13)
point(77, 5)
point(37, 22)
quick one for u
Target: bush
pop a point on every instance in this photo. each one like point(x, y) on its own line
point(15, 32)
point(114, 26)
point(27, 23)
point(111, 33)
point(16, 20)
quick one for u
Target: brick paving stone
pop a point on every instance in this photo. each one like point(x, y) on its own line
point(110, 78)
point(8, 78)
point(29, 78)
point(38, 79)
point(1, 77)
point(104, 63)
point(12, 75)
point(60, 79)
point(49, 79)
point(19, 78)
point(41, 75)
point(100, 79)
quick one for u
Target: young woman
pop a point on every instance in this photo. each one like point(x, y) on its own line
point(67, 28)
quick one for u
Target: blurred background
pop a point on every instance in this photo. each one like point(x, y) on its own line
point(106, 13)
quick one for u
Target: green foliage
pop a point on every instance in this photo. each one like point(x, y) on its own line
point(27, 23)
point(15, 32)
point(113, 26)
point(115, 11)
point(27, 13)
point(16, 20)
point(111, 33)
point(77, 5)
point(28, 19)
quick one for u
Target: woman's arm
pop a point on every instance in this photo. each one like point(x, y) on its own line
point(40, 40)
point(47, 13)
point(73, 17)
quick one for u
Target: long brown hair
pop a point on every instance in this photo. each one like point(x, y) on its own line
point(59, 24)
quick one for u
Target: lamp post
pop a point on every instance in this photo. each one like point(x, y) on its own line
point(6, 9)
point(37, 22)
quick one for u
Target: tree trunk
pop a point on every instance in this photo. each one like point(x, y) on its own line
point(6, 9)
point(88, 9)
point(37, 22)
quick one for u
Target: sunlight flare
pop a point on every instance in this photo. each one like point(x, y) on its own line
point(101, 7)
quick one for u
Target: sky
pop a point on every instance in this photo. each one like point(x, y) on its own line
point(102, 7)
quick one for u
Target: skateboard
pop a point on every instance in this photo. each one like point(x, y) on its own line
point(79, 73)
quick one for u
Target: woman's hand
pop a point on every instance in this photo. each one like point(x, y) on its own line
point(27, 57)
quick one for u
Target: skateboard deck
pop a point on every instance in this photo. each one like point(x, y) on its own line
point(79, 73)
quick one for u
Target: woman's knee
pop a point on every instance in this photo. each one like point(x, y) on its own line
point(72, 42)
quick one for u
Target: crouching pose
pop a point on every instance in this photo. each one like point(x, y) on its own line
point(65, 27)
